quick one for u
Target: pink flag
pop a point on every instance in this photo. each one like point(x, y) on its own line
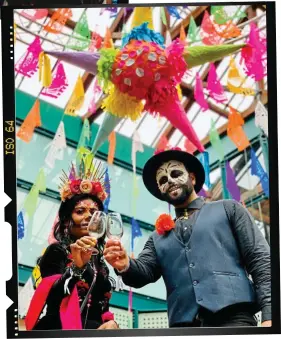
point(96, 90)
point(199, 94)
point(254, 54)
point(189, 147)
point(58, 84)
point(34, 14)
point(214, 86)
point(208, 31)
point(28, 63)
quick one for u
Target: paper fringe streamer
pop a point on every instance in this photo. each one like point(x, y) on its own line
point(199, 93)
point(105, 63)
point(77, 98)
point(58, 84)
point(45, 71)
point(214, 86)
point(112, 146)
point(122, 105)
point(235, 81)
point(31, 121)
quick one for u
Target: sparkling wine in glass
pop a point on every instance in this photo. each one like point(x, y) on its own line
point(114, 226)
point(97, 225)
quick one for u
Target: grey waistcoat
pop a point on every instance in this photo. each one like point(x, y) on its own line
point(208, 271)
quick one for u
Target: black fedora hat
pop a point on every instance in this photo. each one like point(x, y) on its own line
point(192, 164)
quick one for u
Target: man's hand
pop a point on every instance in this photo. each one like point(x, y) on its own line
point(116, 255)
point(267, 323)
point(109, 325)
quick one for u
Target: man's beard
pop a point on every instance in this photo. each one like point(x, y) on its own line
point(187, 189)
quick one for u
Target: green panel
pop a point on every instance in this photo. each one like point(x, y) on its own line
point(119, 299)
point(51, 117)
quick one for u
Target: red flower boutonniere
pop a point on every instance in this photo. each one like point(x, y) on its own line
point(164, 224)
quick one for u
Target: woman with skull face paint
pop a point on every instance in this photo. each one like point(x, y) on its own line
point(69, 266)
point(213, 246)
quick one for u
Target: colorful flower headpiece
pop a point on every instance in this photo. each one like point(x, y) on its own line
point(85, 182)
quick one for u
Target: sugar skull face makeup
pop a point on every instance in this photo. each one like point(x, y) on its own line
point(81, 216)
point(174, 181)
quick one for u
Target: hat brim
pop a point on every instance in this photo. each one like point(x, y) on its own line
point(192, 164)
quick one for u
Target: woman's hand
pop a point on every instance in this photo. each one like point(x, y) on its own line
point(109, 325)
point(82, 250)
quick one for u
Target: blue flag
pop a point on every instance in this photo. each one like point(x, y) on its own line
point(20, 226)
point(107, 190)
point(204, 159)
point(173, 11)
point(136, 232)
point(256, 169)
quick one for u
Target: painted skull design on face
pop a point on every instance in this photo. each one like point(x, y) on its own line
point(171, 177)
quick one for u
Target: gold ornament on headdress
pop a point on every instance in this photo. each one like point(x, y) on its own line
point(89, 179)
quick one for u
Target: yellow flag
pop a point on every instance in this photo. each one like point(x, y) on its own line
point(36, 274)
point(77, 98)
point(141, 15)
point(235, 81)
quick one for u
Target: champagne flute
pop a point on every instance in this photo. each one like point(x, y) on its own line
point(115, 230)
point(96, 226)
point(114, 226)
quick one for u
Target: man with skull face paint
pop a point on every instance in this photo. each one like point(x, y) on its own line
point(206, 259)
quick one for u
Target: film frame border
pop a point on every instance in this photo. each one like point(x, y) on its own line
point(10, 188)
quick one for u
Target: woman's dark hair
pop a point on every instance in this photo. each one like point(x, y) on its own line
point(65, 220)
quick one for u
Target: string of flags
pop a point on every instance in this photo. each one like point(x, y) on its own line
point(214, 29)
